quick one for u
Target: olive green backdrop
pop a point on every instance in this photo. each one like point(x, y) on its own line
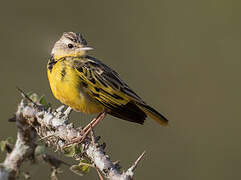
point(183, 57)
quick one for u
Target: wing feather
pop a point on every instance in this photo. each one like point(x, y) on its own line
point(104, 84)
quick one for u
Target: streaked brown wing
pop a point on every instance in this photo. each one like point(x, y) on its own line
point(104, 84)
point(109, 77)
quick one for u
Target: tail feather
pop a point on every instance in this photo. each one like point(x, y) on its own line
point(130, 112)
point(153, 114)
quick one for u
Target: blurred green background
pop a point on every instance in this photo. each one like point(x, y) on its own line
point(183, 57)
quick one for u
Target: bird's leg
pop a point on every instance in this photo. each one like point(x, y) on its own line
point(88, 128)
point(95, 121)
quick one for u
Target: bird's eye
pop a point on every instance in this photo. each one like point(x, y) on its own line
point(70, 46)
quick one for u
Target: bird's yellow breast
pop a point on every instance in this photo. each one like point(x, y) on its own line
point(67, 88)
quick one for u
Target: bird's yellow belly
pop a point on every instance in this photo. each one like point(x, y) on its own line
point(66, 87)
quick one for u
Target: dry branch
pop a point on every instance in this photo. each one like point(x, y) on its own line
point(54, 129)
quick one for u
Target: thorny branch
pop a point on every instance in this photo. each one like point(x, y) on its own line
point(53, 128)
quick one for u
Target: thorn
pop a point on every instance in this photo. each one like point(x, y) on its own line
point(116, 162)
point(133, 167)
point(28, 98)
point(60, 109)
point(25, 95)
point(117, 165)
point(68, 111)
point(49, 110)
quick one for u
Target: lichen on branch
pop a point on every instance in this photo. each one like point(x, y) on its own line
point(34, 117)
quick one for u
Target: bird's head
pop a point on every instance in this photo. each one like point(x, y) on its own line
point(70, 44)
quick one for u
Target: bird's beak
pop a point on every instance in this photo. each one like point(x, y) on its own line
point(85, 48)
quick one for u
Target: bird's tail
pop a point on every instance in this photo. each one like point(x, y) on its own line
point(160, 119)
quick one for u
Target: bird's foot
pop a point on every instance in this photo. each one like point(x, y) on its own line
point(87, 129)
point(94, 123)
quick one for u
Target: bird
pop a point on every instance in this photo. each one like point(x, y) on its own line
point(87, 85)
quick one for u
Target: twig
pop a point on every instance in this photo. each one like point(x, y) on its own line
point(24, 95)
